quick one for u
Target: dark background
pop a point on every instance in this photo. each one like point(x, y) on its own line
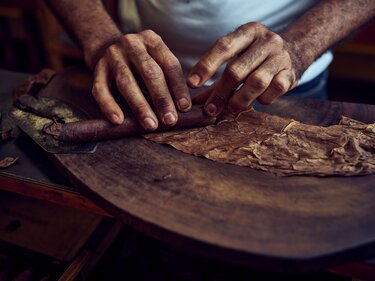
point(31, 39)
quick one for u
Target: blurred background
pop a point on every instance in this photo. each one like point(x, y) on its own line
point(32, 39)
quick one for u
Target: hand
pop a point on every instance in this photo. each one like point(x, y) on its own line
point(160, 71)
point(260, 61)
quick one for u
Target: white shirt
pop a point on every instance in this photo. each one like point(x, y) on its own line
point(190, 27)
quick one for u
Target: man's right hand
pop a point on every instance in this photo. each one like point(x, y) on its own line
point(161, 72)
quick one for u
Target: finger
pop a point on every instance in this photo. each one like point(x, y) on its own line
point(223, 50)
point(217, 100)
point(103, 96)
point(253, 87)
point(129, 89)
point(172, 71)
point(233, 76)
point(279, 85)
point(204, 95)
point(154, 80)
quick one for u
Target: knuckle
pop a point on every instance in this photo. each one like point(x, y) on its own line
point(242, 106)
point(151, 71)
point(244, 28)
point(144, 58)
point(179, 89)
point(172, 64)
point(156, 46)
point(258, 82)
point(205, 66)
point(240, 101)
point(218, 99)
point(151, 37)
point(94, 92)
point(264, 100)
point(133, 47)
point(162, 102)
point(247, 26)
point(121, 70)
point(224, 45)
point(137, 51)
point(131, 95)
point(129, 39)
point(255, 26)
point(99, 67)
point(235, 72)
point(106, 106)
point(293, 78)
point(279, 85)
point(148, 33)
point(111, 50)
point(140, 109)
point(123, 83)
point(245, 98)
point(114, 64)
point(97, 89)
point(239, 107)
point(274, 38)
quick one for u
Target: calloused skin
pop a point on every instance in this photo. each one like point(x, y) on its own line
point(161, 73)
point(262, 65)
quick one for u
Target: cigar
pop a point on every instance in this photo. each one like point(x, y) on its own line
point(102, 129)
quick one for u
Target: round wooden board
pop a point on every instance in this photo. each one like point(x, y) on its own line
point(235, 213)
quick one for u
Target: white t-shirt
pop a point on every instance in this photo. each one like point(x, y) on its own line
point(190, 27)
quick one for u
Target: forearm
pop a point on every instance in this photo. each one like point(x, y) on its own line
point(325, 25)
point(89, 24)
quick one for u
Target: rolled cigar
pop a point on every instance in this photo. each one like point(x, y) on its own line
point(102, 129)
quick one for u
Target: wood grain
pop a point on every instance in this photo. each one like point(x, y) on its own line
point(225, 211)
point(56, 194)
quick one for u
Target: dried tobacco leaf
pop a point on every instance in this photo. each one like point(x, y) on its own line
point(280, 145)
point(7, 161)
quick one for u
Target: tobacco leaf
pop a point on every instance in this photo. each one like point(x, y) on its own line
point(5, 129)
point(280, 145)
point(7, 161)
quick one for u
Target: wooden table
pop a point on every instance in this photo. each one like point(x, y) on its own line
point(34, 174)
point(44, 182)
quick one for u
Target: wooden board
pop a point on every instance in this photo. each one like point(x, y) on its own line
point(225, 211)
point(33, 175)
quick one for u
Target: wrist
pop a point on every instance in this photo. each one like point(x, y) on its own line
point(302, 55)
point(95, 49)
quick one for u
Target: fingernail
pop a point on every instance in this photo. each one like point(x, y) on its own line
point(115, 118)
point(169, 118)
point(211, 109)
point(183, 104)
point(195, 80)
point(149, 123)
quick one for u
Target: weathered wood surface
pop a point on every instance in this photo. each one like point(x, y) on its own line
point(230, 212)
point(33, 175)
